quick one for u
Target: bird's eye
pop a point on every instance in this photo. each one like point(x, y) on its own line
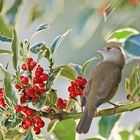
point(108, 48)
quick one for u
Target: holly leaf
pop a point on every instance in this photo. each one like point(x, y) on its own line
point(77, 67)
point(52, 78)
point(106, 125)
point(70, 104)
point(132, 46)
point(12, 134)
point(5, 28)
point(29, 136)
point(55, 44)
point(42, 27)
point(67, 72)
point(120, 35)
point(52, 125)
point(5, 39)
point(42, 47)
point(87, 64)
point(52, 96)
point(64, 125)
point(4, 52)
point(125, 134)
point(15, 49)
point(8, 91)
point(11, 13)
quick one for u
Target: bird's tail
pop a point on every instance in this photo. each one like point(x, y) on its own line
point(85, 121)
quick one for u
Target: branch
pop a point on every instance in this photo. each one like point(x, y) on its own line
point(104, 112)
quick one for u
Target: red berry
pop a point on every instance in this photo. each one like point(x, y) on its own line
point(18, 87)
point(37, 119)
point(29, 91)
point(73, 83)
point(24, 80)
point(44, 77)
point(84, 81)
point(25, 108)
point(72, 94)
point(133, 2)
point(32, 65)
point(29, 60)
point(23, 99)
point(28, 122)
point(30, 112)
point(37, 130)
point(34, 99)
point(41, 91)
point(24, 126)
point(36, 89)
point(40, 124)
point(24, 67)
point(35, 80)
point(37, 74)
point(18, 108)
point(40, 70)
point(59, 102)
point(1, 90)
point(129, 97)
point(42, 85)
point(70, 88)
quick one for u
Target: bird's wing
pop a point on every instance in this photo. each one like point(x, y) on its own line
point(105, 80)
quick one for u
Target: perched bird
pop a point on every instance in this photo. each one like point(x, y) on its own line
point(102, 84)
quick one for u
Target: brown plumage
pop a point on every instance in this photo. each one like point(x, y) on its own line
point(102, 84)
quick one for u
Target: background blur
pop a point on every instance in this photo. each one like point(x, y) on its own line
point(89, 27)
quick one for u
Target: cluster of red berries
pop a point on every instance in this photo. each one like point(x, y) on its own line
point(61, 103)
point(32, 91)
point(2, 100)
point(30, 119)
point(76, 88)
point(133, 2)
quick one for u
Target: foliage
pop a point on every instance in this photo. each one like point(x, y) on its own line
point(45, 104)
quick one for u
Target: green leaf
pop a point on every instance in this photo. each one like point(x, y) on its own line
point(15, 49)
point(106, 125)
point(136, 137)
point(52, 96)
point(132, 46)
point(55, 44)
point(5, 39)
point(11, 122)
point(65, 130)
point(4, 51)
point(9, 93)
point(67, 72)
point(11, 13)
point(5, 28)
point(29, 136)
point(87, 64)
point(42, 27)
point(1, 5)
point(1, 136)
point(52, 125)
point(70, 104)
point(77, 67)
point(12, 134)
point(125, 134)
point(135, 82)
point(52, 79)
point(120, 35)
point(42, 47)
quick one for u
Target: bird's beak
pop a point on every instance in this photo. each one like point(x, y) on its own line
point(100, 51)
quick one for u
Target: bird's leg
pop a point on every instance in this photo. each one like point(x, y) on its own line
point(115, 105)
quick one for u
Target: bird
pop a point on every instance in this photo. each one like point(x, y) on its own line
point(102, 83)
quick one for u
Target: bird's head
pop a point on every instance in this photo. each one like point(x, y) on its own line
point(113, 52)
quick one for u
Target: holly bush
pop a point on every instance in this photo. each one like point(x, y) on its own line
point(30, 105)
